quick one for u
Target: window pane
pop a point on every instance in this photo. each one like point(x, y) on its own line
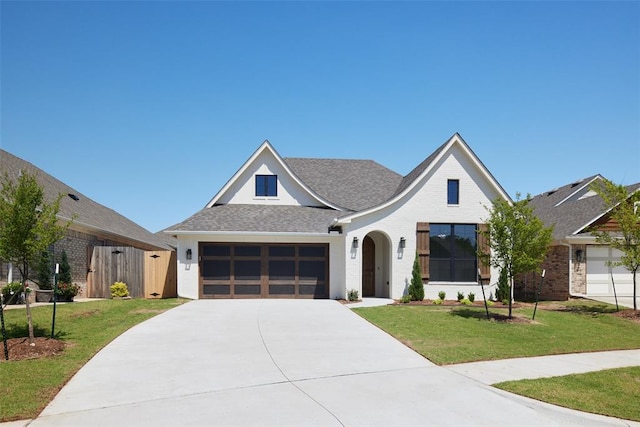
point(246, 251)
point(267, 185)
point(246, 289)
point(317, 290)
point(216, 289)
point(466, 270)
point(282, 270)
point(216, 250)
point(453, 186)
point(311, 251)
point(247, 270)
point(440, 270)
point(282, 289)
point(312, 270)
point(465, 241)
point(283, 251)
point(440, 241)
point(216, 270)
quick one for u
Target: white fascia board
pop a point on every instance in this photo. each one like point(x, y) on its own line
point(578, 190)
point(266, 145)
point(455, 139)
point(248, 233)
point(581, 240)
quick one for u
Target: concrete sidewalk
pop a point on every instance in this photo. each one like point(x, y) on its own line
point(280, 362)
point(495, 371)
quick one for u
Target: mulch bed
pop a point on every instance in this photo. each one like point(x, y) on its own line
point(629, 314)
point(20, 349)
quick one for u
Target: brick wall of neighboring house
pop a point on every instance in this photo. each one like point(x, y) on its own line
point(556, 281)
point(579, 271)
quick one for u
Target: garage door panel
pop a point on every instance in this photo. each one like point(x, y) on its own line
point(599, 273)
point(267, 270)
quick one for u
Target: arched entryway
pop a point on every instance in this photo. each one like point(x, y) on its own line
point(376, 265)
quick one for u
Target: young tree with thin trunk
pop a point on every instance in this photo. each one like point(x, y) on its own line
point(28, 225)
point(624, 211)
point(518, 239)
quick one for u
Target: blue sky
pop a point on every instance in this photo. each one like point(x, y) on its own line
point(150, 107)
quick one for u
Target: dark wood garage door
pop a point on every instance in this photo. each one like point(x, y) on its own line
point(230, 270)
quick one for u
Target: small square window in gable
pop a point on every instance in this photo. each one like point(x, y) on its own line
point(453, 191)
point(266, 185)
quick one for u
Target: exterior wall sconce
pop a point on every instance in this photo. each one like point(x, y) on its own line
point(579, 255)
point(354, 244)
point(403, 242)
point(189, 254)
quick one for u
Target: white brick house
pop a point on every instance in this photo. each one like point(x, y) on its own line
point(317, 228)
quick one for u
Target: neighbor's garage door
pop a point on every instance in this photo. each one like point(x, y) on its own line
point(599, 282)
point(264, 271)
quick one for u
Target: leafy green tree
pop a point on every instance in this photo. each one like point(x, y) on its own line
point(518, 239)
point(65, 269)
point(624, 210)
point(416, 288)
point(28, 225)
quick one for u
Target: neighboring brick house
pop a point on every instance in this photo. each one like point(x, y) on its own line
point(576, 265)
point(318, 228)
point(93, 224)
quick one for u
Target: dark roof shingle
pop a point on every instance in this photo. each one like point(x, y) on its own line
point(84, 211)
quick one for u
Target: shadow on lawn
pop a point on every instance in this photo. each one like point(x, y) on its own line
point(469, 313)
point(15, 330)
point(589, 309)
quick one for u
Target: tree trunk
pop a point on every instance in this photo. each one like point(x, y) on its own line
point(510, 296)
point(25, 271)
point(635, 290)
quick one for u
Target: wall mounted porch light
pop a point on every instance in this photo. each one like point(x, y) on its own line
point(403, 242)
point(579, 255)
point(354, 244)
point(189, 254)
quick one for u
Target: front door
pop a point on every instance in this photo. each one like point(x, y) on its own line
point(368, 267)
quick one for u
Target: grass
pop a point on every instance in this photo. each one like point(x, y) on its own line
point(27, 386)
point(448, 335)
point(613, 392)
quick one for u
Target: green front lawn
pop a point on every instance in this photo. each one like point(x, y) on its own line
point(448, 335)
point(613, 392)
point(27, 386)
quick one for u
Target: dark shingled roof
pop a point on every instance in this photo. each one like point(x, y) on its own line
point(87, 213)
point(259, 219)
point(350, 184)
point(568, 210)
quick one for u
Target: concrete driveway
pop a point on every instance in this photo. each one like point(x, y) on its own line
point(280, 362)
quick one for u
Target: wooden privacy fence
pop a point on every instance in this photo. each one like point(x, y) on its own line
point(148, 274)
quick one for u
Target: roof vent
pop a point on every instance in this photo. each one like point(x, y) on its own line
point(551, 192)
point(73, 196)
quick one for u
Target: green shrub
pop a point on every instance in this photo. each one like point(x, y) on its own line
point(10, 293)
point(66, 291)
point(353, 295)
point(442, 295)
point(416, 288)
point(65, 269)
point(505, 301)
point(405, 299)
point(490, 303)
point(44, 271)
point(460, 296)
point(119, 290)
point(471, 297)
point(465, 301)
point(503, 291)
point(438, 301)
